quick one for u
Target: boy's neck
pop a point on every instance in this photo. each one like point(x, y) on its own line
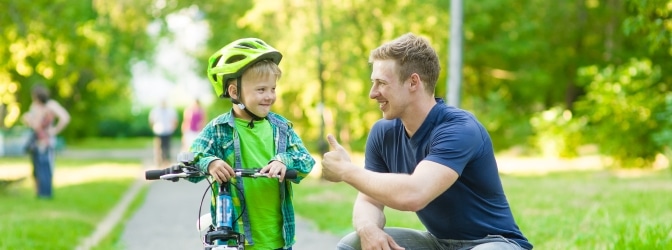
point(242, 114)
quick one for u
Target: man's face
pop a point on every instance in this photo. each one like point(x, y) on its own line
point(392, 95)
point(258, 94)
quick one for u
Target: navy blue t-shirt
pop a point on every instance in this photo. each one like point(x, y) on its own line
point(475, 206)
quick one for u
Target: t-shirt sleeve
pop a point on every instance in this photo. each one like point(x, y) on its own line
point(454, 145)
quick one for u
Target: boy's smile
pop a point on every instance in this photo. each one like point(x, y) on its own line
point(258, 95)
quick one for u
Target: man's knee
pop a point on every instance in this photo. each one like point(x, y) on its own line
point(349, 242)
point(408, 238)
point(497, 242)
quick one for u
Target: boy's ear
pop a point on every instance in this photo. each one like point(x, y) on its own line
point(233, 90)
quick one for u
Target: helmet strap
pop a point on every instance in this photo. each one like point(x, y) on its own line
point(239, 101)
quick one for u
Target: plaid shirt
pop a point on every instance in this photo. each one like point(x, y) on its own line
point(216, 141)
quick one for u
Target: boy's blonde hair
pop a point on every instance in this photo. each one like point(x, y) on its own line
point(261, 69)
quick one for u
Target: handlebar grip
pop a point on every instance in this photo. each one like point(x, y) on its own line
point(154, 174)
point(291, 174)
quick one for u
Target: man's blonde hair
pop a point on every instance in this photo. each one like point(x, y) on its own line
point(413, 54)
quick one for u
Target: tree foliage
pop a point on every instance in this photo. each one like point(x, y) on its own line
point(620, 105)
point(535, 71)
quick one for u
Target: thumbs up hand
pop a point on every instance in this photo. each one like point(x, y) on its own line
point(335, 162)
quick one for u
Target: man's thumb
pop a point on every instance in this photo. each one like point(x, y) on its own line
point(334, 144)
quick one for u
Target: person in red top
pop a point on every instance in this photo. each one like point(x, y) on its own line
point(193, 121)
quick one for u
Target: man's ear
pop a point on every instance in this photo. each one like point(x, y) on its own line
point(415, 80)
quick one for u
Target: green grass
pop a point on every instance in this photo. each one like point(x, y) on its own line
point(61, 223)
point(70, 162)
point(582, 210)
point(111, 143)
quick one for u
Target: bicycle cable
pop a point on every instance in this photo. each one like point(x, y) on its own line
point(200, 207)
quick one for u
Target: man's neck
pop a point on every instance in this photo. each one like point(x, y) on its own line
point(416, 115)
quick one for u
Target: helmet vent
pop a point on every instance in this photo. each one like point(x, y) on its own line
point(235, 58)
point(247, 45)
point(214, 62)
point(213, 77)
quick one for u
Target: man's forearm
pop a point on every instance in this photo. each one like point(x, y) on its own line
point(392, 190)
point(366, 214)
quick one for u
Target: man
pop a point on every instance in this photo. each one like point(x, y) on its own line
point(426, 157)
point(163, 120)
point(41, 117)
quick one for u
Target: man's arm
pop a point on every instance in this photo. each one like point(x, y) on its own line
point(402, 191)
point(367, 213)
point(62, 114)
point(399, 191)
point(368, 220)
point(27, 118)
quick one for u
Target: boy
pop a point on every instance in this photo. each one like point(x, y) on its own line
point(250, 136)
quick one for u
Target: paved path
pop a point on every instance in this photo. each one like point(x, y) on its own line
point(167, 217)
point(167, 220)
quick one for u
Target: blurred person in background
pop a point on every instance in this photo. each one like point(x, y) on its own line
point(46, 118)
point(193, 121)
point(163, 120)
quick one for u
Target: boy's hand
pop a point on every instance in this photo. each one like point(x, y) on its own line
point(275, 168)
point(221, 171)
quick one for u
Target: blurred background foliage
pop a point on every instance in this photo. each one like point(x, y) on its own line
point(545, 76)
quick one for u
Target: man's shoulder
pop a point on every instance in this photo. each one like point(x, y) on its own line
point(382, 126)
point(52, 102)
point(386, 124)
point(451, 114)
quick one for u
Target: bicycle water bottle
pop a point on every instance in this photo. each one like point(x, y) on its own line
point(224, 213)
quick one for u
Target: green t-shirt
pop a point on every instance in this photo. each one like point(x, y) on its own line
point(262, 195)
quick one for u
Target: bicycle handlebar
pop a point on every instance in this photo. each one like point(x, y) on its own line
point(156, 174)
point(289, 174)
point(178, 171)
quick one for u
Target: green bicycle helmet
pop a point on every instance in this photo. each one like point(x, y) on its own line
point(233, 59)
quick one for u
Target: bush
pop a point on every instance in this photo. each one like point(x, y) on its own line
point(619, 107)
point(557, 132)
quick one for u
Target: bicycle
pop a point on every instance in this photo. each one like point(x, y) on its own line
point(220, 236)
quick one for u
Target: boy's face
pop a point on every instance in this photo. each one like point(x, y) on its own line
point(258, 95)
